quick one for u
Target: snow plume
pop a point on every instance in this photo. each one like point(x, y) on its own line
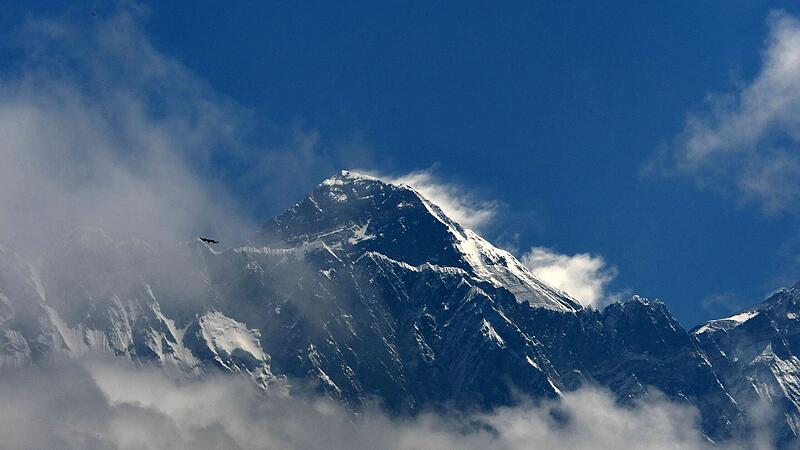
point(112, 405)
point(746, 141)
point(583, 276)
point(457, 202)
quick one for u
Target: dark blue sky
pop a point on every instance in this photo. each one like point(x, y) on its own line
point(551, 108)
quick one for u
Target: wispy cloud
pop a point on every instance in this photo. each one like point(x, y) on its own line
point(748, 141)
point(100, 128)
point(109, 405)
point(583, 275)
point(458, 202)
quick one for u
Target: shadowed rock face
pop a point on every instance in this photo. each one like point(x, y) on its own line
point(369, 292)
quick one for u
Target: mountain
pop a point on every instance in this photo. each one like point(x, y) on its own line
point(755, 353)
point(355, 214)
point(367, 292)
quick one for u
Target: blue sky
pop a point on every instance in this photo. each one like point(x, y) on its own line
point(577, 124)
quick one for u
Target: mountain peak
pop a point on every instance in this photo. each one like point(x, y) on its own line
point(783, 304)
point(354, 214)
point(346, 176)
point(348, 186)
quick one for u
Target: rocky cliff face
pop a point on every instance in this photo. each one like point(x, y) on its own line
point(367, 291)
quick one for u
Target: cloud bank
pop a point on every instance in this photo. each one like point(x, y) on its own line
point(97, 404)
point(747, 141)
point(583, 276)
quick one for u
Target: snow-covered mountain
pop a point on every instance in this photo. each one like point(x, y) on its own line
point(757, 356)
point(354, 214)
point(366, 291)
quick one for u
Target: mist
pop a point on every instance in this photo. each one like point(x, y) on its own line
point(111, 404)
point(102, 129)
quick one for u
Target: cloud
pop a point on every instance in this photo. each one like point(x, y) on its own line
point(583, 276)
point(107, 404)
point(100, 128)
point(457, 202)
point(748, 141)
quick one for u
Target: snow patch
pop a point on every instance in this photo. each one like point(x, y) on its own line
point(327, 272)
point(489, 332)
point(339, 179)
point(727, 323)
point(227, 337)
point(338, 197)
point(360, 234)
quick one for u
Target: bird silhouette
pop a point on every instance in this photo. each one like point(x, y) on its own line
point(210, 241)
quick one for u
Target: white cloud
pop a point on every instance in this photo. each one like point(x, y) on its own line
point(102, 129)
point(583, 276)
point(748, 141)
point(109, 404)
point(457, 203)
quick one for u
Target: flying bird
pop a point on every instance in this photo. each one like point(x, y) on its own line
point(94, 14)
point(210, 241)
